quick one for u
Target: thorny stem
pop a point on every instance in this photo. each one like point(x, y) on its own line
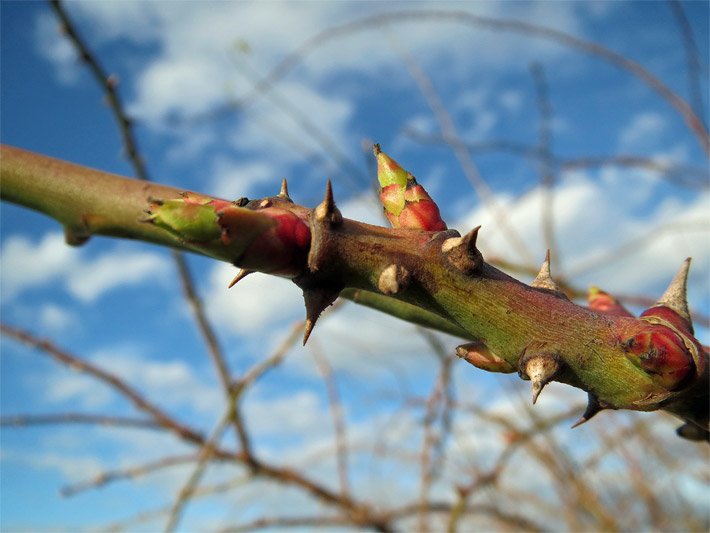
point(439, 272)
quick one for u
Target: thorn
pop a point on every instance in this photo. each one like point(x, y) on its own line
point(676, 295)
point(243, 273)
point(691, 431)
point(539, 369)
point(75, 237)
point(317, 300)
point(593, 407)
point(544, 280)
point(284, 190)
point(462, 252)
point(469, 240)
point(327, 211)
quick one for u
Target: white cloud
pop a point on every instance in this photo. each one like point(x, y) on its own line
point(26, 265)
point(197, 64)
point(54, 318)
point(56, 49)
point(172, 383)
point(75, 389)
point(299, 412)
point(72, 468)
point(590, 220)
point(511, 100)
point(644, 129)
point(234, 179)
point(183, 87)
point(91, 279)
point(255, 304)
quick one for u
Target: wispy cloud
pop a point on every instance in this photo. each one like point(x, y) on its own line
point(27, 265)
point(56, 49)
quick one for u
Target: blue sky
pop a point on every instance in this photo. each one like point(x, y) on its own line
point(179, 66)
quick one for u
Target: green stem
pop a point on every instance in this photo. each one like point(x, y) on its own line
point(437, 279)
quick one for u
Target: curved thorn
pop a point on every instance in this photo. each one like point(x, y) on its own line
point(676, 295)
point(470, 239)
point(593, 407)
point(243, 273)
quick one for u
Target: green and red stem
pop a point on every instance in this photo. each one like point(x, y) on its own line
point(418, 270)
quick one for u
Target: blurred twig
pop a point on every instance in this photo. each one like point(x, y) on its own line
point(337, 414)
point(75, 363)
point(78, 418)
point(439, 405)
point(355, 175)
point(677, 173)
point(636, 244)
point(134, 472)
point(693, 58)
point(448, 130)
point(203, 459)
point(547, 162)
point(125, 124)
point(469, 19)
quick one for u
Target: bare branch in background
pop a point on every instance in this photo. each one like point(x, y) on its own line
point(78, 418)
point(696, 68)
point(547, 162)
point(337, 414)
point(288, 63)
point(448, 129)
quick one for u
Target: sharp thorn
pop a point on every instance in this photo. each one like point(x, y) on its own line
point(691, 431)
point(316, 300)
point(537, 387)
point(544, 280)
point(308, 329)
point(540, 369)
point(284, 190)
point(243, 273)
point(593, 407)
point(327, 211)
point(470, 239)
point(676, 295)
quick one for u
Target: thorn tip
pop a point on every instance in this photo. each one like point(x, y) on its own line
point(283, 193)
point(540, 370)
point(676, 295)
point(327, 210)
point(594, 406)
point(317, 300)
point(544, 280)
point(243, 273)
